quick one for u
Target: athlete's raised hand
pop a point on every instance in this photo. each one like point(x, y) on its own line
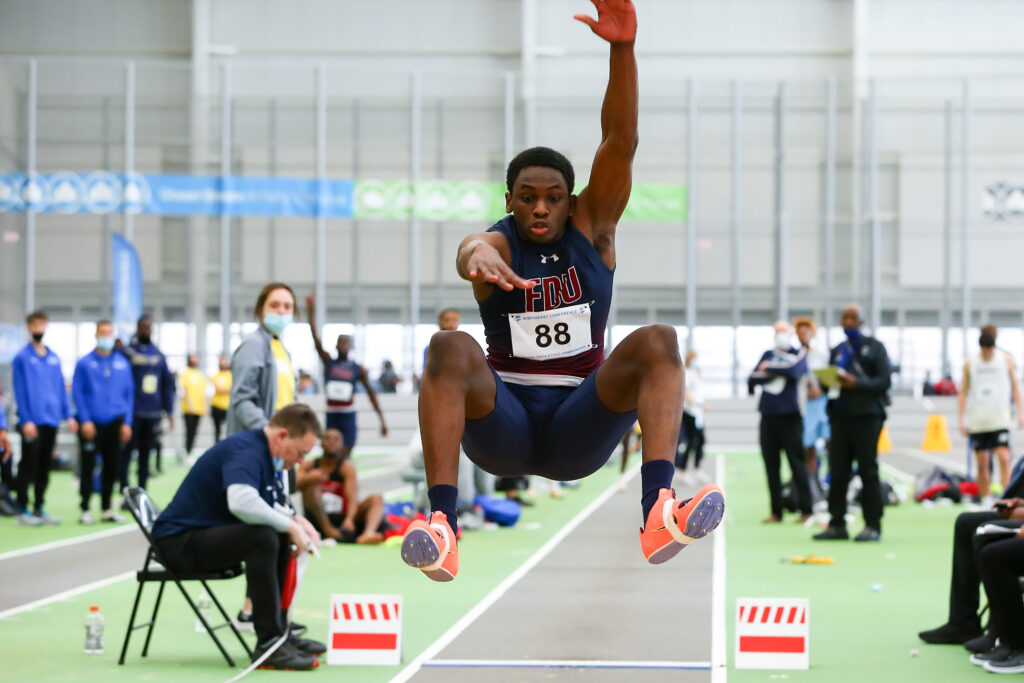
point(486, 266)
point(616, 20)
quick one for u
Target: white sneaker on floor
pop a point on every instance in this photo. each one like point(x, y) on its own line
point(86, 518)
point(688, 478)
point(702, 477)
point(111, 516)
point(28, 519)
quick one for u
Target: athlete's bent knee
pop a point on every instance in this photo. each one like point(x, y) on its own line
point(448, 349)
point(662, 343)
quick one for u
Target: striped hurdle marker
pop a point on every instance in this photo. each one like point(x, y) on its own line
point(365, 629)
point(772, 633)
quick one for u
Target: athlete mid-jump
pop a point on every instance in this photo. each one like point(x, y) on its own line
point(544, 400)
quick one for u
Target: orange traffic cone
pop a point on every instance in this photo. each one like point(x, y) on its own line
point(936, 435)
point(884, 443)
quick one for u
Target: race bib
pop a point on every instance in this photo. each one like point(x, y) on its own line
point(149, 383)
point(544, 335)
point(332, 503)
point(339, 391)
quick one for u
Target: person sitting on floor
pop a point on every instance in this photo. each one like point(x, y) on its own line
point(331, 499)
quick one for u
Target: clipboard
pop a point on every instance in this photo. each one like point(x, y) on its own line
point(828, 376)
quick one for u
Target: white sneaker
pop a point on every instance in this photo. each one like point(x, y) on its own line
point(111, 516)
point(688, 478)
point(702, 477)
point(86, 518)
point(28, 519)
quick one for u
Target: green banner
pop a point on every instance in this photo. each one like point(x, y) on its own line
point(475, 202)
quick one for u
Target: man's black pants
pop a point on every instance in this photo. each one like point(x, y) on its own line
point(694, 442)
point(1002, 564)
point(966, 576)
point(107, 445)
point(218, 416)
point(784, 432)
point(855, 439)
point(34, 467)
point(264, 552)
point(144, 433)
point(191, 427)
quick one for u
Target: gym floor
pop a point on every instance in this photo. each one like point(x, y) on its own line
point(564, 595)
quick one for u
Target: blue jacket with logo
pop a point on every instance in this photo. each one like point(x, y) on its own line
point(154, 383)
point(780, 380)
point(103, 388)
point(39, 388)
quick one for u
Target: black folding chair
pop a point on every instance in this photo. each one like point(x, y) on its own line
point(156, 570)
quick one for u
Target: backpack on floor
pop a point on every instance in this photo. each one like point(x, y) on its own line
point(501, 511)
point(8, 508)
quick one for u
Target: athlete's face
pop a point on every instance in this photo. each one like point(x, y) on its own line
point(541, 204)
point(331, 441)
point(344, 344)
point(804, 334)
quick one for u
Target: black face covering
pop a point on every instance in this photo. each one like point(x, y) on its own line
point(987, 340)
point(143, 338)
point(37, 336)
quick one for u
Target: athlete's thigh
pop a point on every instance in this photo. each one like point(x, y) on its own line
point(582, 434)
point(502, 441)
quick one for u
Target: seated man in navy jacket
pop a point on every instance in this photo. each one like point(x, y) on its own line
point(227, 511)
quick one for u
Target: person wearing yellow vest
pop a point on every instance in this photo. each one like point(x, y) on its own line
point(263, 380)
point(221, 396)
point(193, 400)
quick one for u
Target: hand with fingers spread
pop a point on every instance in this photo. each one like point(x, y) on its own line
point(486, 266)
point(616, 20)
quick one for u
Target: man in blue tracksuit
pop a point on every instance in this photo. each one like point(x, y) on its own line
point(779, 373)
point(154, 397)
point(42, 405)
point(104, 392)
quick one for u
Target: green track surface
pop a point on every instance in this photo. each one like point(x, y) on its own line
point(62, 502)
point(856, 633)
point(46, 643)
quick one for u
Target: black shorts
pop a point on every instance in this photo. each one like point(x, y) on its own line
point(987, 441)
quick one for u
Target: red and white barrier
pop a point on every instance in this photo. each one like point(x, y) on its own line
point(365, 629)
point(772, 633)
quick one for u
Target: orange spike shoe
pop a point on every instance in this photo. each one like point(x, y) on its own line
point(671, 526)
point(431, 547)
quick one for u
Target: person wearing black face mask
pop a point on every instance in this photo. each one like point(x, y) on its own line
point(990, 378)
point(856, 417)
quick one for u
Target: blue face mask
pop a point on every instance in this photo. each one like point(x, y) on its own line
point(105, 344)
point(276, 323)
point(278, 464)
point(854, 335)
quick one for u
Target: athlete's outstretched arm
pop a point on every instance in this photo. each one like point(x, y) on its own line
point(311, 307)
point(604, 199)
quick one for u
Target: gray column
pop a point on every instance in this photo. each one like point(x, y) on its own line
point(415, 162)
point(358, 313)
point(734, 225)
point(439, 255)
point(947, 240)
point(781, 222)
point(872, 201)
point(225, 219)
point(691, 216)
point(966, 204)
point(830, 207)
point(320, 249)
point(510, 117)
point(30, 169)
point(272, 169)
point(129, 143)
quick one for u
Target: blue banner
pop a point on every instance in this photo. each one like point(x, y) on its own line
point(101, 192)
point(127, 286)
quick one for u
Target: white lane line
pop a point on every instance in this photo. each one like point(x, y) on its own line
point(66, 594)
point(719, 662)
point(452, 633)
point(563, 664)
point(88, 538)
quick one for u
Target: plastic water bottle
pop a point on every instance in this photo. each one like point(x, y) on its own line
point(205, 606)
point(94, 631)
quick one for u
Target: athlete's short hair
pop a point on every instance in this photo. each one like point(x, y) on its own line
point(805, 321)
point(37, 315)
point(540, 156)
point(989, 329)
point(299, 419)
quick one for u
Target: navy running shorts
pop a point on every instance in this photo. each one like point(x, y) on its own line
point(562, 433)
point(346, 424)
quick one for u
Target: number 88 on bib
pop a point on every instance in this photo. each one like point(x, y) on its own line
point(544, 335)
